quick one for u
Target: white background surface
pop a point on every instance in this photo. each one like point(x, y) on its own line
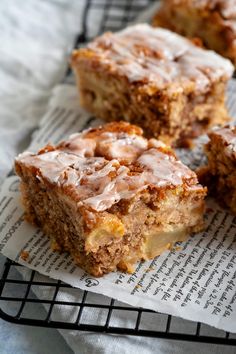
point(36, 37)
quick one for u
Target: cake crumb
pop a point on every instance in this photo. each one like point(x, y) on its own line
point(55, 246)
point(177, 248)
point(24, 255)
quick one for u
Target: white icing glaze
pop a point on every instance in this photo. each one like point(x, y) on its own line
point(165, 169)
point(153, 143)
point(121, 146)
point(94, 181)
point(112, 145)
point(51, 164)
point(228, 8)
point(229, 136)
point(78, 145)
point(99, 182)
point(160, 57)
point(112, 191)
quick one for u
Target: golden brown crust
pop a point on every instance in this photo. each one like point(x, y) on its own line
point(114, 127)
point(213, 21)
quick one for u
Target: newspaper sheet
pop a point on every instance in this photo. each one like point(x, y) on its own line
point(195, 281)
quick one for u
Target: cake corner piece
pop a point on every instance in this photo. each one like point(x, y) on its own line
point(220, 173)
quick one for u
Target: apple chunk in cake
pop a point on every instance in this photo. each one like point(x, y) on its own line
point(154, 78)
point(110, 197)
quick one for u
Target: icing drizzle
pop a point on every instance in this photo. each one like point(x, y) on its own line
point(159, 57)
point(104, 165)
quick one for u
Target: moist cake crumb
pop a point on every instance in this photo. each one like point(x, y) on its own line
point(220, 173)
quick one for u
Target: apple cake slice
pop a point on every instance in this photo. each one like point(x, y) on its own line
point(153, 78)
point(110, 197)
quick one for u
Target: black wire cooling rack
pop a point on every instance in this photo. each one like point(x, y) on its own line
point(112, 15)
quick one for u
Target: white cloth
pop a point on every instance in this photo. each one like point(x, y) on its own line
point(36, 37)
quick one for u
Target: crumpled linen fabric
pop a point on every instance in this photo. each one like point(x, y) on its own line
point(36, 39)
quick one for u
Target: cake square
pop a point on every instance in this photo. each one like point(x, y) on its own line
point(213, 21)
point(153, 78)
point(220, 173)
point(110, 197)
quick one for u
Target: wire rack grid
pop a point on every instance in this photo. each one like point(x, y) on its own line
point(113, 14)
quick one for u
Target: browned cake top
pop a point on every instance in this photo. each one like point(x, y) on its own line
point(227, 8)
point(227, 137)
point(224, 10)
point(104, 165)
point(155, 57)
